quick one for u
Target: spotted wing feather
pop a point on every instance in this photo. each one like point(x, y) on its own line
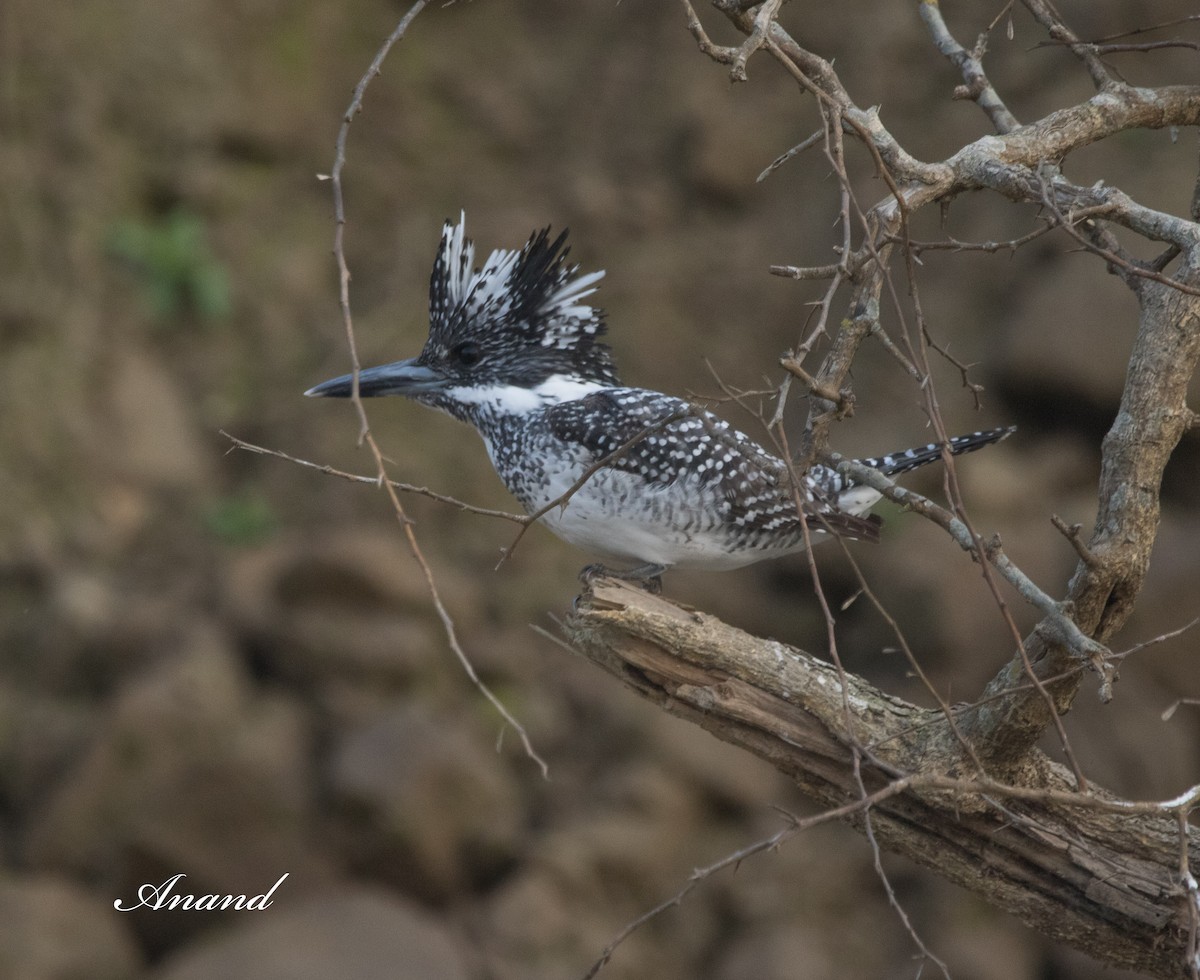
point(666, 440)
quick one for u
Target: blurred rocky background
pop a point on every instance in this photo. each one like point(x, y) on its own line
point(221, 664)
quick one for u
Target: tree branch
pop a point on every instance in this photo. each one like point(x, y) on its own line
point(1154, 414)
point(970, 64)
point(1088, 869)
point(1063, 872)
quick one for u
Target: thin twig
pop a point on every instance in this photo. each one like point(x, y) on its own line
point(916, 783)
point(943, 705)
point(1119, 262)
point(1137, 48)
point(374, 480)
point(735, 858)
point(964, 370)
point(1169, 713)
point(970, 65)
point(1191, 894)
point(843, 401)
point(805, 272)
point(717, 52)
point(954, 495)
point(954, 245)
point(1135, 31)
point(796, 150)
point(1044, 12)
point(365, 435)
point(1064, 629)
point(1072, 534)
point(885, 881)
point(757, 38)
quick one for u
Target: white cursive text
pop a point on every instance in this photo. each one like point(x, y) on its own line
point(151, 896)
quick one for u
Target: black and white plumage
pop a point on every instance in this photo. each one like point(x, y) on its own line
point(515, 351)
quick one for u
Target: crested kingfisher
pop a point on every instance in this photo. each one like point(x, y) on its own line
point(515, 350)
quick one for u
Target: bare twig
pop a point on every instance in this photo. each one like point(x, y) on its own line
point(796, 150)
point(843, 401)
point(1072, 534)
point(1161, 638)
point(1169, 713)
point(970, 64)
point(886, 882)
point(1135, 31)
point(1191, 895)
point(375, 480)
point(1148, 46)
point(1119, 262)
point(365, 434)
point(964, 370)
point(954, 245)
point(1062, 628)
point(1103, 45)
point(805, 272)
point(1045, 14)
point(735, 858)
point(763, 19)
point(718, 53)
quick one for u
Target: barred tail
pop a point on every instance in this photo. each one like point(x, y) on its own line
point(910, 459)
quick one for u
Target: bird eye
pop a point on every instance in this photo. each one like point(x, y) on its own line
point(467, 353)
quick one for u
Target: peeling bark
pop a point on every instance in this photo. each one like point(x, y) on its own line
point(1082, 869)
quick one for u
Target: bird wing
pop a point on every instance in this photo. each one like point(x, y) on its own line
point(666, 440)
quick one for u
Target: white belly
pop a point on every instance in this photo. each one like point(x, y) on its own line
point(662, 526)
point(634, 543)
point(624, 520)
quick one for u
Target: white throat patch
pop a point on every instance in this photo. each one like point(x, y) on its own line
point(515, 400)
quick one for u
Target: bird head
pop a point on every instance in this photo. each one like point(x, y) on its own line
point(514, 328)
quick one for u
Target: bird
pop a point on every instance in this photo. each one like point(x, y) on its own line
point(642, 480)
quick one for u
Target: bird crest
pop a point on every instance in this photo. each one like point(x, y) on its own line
point(526, 309)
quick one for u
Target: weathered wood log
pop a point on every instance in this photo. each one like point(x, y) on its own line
point(1082, 868)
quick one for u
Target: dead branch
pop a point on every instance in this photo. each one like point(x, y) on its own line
point(1022, 164)
point(365, 434)
point(1088, 869)
point(1154, 414)
point(375, 480)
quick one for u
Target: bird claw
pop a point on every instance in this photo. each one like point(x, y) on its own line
point(590, 572)
point(648, 576)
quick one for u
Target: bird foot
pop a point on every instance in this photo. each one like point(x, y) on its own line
point(648, 576)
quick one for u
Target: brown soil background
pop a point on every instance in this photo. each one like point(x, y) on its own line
point(224, 665)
